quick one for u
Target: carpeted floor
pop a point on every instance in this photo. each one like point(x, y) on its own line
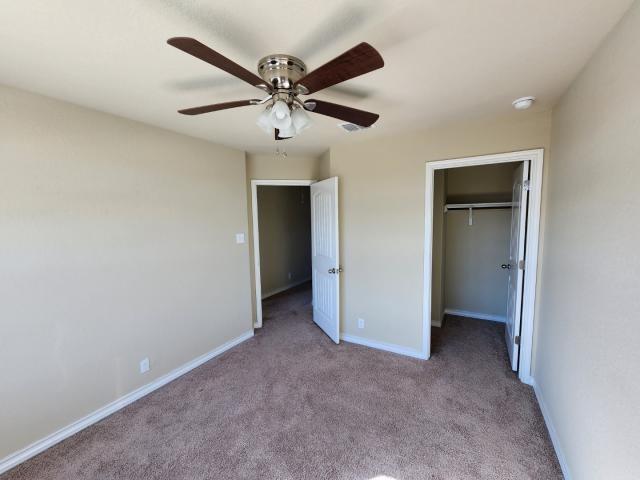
point(289, 404)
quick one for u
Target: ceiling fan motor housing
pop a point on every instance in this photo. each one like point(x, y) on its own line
point(281, 71)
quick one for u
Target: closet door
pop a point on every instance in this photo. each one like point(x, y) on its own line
point(516, 261)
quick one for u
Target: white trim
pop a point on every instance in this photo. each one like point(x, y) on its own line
point(284, 183)
point(288, 286)
point(475, 315)
point(41, 445)
point(428, 262)
point(436, 323)
point(256, 235)
point(509, 157)
point(553, 434)
point(536, 157)
point(387, 347)
point(531, 268)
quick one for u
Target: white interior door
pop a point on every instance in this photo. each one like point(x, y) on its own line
point(325, 262)
point(516, 261)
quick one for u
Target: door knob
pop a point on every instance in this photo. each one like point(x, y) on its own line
point(332, 270)
point(506, 265)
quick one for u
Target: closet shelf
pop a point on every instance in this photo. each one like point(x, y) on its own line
point(467, 206)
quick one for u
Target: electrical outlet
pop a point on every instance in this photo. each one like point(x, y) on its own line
point(361, 323)
point(239, 237)
point(144, 365)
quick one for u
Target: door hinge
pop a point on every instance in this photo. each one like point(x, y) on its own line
point(526, 184)
point(517, 340)
point(521, 264)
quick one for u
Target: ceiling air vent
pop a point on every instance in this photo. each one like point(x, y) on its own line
point(351, 127)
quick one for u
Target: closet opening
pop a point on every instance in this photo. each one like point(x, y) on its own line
point(481, 257)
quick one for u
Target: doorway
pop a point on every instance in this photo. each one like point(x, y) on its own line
point(507, 224)
point(284, 221)
point(299, 243)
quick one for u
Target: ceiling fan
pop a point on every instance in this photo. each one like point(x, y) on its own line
point(284, 77)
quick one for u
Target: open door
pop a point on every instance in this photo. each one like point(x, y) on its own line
point(325, 262)
point(516, 261)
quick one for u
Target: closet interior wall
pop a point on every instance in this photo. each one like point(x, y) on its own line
point(469, 247)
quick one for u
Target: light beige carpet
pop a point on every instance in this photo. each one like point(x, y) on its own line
point(289, 404)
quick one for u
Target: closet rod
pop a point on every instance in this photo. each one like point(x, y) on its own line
point(467, 206)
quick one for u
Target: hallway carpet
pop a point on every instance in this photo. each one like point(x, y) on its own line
point(290, 404)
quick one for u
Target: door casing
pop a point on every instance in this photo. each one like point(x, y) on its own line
point(256, 236)
point(536, 157)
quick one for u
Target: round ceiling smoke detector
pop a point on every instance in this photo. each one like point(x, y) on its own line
point(523, 103)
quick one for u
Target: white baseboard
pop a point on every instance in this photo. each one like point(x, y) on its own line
point(271, 293)
point(555, 440)
point(41, 445)
point(476, 315)
point(387, 347)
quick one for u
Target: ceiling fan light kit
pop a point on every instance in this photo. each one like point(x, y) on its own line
point(288, 132)
point(284, 78)
point(301, 121)
point(264, 121)
point(279, 116)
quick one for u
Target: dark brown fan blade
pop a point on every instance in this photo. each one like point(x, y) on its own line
point(348, 114)
point(217, 106)
point(361, 59)
point(201, 51)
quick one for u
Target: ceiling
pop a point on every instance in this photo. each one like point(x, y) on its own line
point(444, 60)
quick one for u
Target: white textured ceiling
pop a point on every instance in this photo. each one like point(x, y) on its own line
point(445, 60)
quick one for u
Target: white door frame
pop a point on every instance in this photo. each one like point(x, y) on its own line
point(536, 157)
point(256, 235)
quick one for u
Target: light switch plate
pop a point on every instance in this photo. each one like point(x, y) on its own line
point(239, 237)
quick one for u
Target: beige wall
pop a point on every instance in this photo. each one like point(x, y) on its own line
point(382, 189)
point(272, 167)
point(284, 218)
point(485, 183)
point(474, 281)
point(325, 165)
point(438, 250)
point(118, 243)
point(588, 359)
point(291, 167)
